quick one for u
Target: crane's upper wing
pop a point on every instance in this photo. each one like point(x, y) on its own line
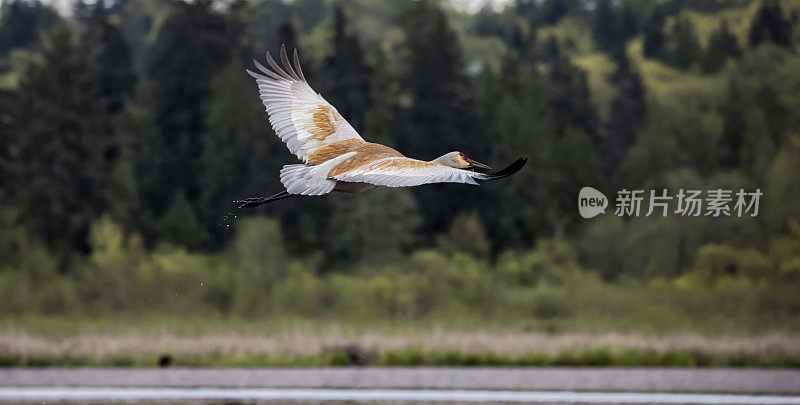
point(299, 116)
point(406, 172)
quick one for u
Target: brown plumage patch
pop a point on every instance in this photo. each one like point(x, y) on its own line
point(366, 153)
point(332, 150)
point(324, 122)
point(407, 164)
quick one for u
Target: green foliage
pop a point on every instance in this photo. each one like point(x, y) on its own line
point(762, 93)
point(782, 210)
point(257, 260)
point(180, 223)
point(125, 135)
point(466, 235)
point(29, 276)
point(728, 289)
point(553, 262)
point(120, 272)
point(416, 356)
point(374, 227)
point(718, 261)
point(674, 136)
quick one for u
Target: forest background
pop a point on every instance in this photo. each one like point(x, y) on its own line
point(128, 128)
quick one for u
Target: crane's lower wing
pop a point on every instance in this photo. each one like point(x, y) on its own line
point(406, 172)
point(299, 116)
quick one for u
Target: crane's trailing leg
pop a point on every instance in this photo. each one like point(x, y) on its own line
point(256, 201)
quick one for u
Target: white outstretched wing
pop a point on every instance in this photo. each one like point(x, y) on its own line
point(299, 116)
point(405, 172)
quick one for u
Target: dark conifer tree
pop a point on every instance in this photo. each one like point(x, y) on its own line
point(192, 45)
point(241, 156)
point(654, 34)
point(569, 98)
point(7, 113)
point(512, 78)
point(722, 45)
point(443, 110)
point(527, 9)
point(774, 110)
point(346, 83)
point(440, 116)
point(550, 50)
point(553, 10)
point(733, 114)
point(518, 35)
point(99, 9)
point(109, 51)
point(628, 24)
point(381, 116)
point(520, 120)
point(63, 153)
point(287, 36)
point(21, 21)
point(684, 48)
point(770, 25)
point(115, 81)
point(605, 26)
point(575, 128)
point(628, 110)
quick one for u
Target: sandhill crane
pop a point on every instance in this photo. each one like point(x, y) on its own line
point(335, 158)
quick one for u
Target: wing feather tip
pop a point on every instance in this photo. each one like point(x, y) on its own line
point(286, 64)
point(296, 58)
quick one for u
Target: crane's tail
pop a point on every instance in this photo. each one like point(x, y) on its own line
point(256, 201)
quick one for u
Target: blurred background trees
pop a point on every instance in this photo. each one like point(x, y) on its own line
point(129, 127)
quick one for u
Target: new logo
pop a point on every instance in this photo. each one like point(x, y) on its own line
point(591, 202)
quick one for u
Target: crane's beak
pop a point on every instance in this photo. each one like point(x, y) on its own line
point(478, 164)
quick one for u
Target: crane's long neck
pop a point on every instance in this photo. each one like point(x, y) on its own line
point(440, 160)
point(448, 159)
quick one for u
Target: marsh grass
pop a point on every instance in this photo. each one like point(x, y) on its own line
point(284, 343)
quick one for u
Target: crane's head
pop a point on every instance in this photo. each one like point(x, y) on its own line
point(459, 161)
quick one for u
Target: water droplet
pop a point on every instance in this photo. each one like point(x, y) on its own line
point(226, 220)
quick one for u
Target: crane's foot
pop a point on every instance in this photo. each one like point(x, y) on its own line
point(256, 201)
point(252, 202)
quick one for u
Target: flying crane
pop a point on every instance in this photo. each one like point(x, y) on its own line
point(335, 157)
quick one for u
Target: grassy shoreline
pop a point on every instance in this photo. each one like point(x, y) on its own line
point(43, 342)
point(601, 357)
